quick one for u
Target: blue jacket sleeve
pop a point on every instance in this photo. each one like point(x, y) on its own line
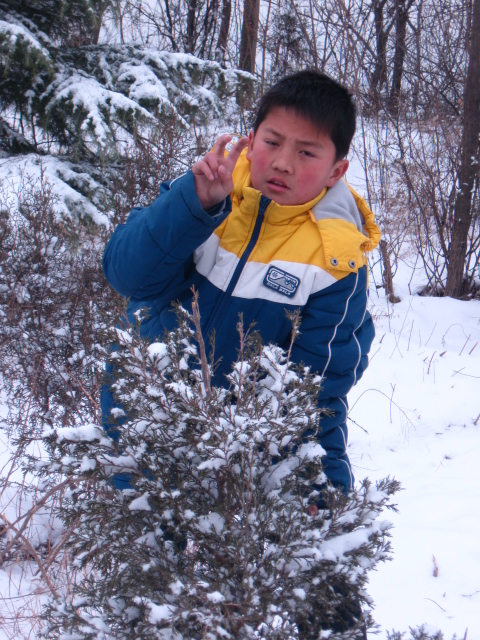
point(336, 335)
point(146, 253)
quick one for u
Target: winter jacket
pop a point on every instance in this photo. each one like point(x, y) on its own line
point(252, 256)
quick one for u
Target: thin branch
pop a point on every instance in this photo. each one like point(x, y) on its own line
point(201, 345)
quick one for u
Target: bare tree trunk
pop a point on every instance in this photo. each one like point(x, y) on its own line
point(220, 51)
point(387, 276)
point(208, 34)
point(170, 26)
point(379, 76)
point(418, 56)
point(99, 8)
point(468, 172)
point(191, 24)
point(401, 17)
point(248, 41)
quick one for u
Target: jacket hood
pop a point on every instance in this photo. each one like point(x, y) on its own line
point(342, 202)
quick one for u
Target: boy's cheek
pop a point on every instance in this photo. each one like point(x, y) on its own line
point(258, 160)
point(258, 167)
point(307, 181)
point(318, 176)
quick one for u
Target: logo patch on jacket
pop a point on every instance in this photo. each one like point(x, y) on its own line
point(281, 282)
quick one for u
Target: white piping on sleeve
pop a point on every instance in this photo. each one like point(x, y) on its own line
point(343, 438)
point(349, 471)
point(336, 327)
point(221, 210)
point(358, 344)
point(175, 179)
point(345, 461)
point(358, 360)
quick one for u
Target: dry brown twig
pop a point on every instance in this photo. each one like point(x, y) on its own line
point(201, 344)
point(27, 516)
point(32, 552)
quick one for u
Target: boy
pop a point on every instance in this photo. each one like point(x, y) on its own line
point(269, 227)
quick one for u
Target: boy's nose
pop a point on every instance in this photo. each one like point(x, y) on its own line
point(282, 162)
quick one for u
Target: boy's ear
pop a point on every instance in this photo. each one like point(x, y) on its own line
point(251, 136)
point(339, 169)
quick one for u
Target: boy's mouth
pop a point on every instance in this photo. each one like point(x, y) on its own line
point(277, 184)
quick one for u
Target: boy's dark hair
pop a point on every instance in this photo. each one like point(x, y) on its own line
point(317, 97)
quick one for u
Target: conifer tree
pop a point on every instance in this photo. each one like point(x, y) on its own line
point(64, 95)
point(213, 539)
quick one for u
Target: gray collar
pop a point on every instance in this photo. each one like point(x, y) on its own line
point(339, 203)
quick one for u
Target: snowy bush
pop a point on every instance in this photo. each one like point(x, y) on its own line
point(213, 539)
point(423, 632)
point(54, 309)
point(55, 306)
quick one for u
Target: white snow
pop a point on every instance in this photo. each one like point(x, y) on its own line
point(145, 85)
point(159, 613)
point(419, 404)
point(19, 31)
point(212, 522)
point(87, 93)
point(215, 597)
point(157, 350)
point(140, 504)
point(85, 433)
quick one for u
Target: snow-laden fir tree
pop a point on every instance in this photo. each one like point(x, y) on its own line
point(82, 106)
point(213, 539)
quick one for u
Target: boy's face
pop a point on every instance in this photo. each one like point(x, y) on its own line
point(291, 161)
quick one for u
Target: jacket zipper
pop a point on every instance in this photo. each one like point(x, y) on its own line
point(264, 202)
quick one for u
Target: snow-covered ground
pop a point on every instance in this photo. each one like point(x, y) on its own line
point(417, 417)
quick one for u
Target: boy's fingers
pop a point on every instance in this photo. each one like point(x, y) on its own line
point(225, 175)
point(212, 163)
point(236, 150)
point(220, 145)
point(208, 166)
point(201, 168)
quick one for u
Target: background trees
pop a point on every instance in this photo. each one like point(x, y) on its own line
point(411, 64)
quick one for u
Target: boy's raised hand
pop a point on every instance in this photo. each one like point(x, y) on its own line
point(213, 173)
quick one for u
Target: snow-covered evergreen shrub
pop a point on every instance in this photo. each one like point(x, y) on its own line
point(213, 539)
point(86, 101)
point(86, 106)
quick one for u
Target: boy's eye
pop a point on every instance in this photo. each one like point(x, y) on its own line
point(309, 154)
point(273, 143)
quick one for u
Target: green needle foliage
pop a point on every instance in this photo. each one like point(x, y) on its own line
point(213, 538)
